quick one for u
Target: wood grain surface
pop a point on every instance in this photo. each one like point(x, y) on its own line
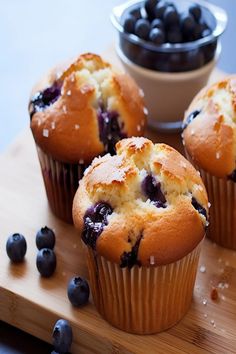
point(34, 304)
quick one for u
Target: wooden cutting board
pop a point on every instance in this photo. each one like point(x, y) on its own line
point(34, 304)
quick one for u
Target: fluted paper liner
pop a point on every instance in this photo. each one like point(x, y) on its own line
point(142, 300)
point(222, 196)
point(61, 181)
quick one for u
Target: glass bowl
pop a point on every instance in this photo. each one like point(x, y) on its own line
point(170, 74)
point(169, 57)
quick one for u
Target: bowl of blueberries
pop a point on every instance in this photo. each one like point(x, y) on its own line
point(170, 48)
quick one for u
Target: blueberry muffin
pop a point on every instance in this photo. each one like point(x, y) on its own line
point(142, 215)
point(210, 141)
point(79, 111)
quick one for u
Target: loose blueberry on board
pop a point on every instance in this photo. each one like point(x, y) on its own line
point(95, 219)
point(45, 238)
point(157, 23)
point(190, 118)
point(157, 36)
point(199, 207)
point(16, 247)
point(78, 291)
point(62, 336)
point(129, 24)
point(42, 100)
point(46, 262)
point(196, 11)
point(142, 28)
point(152, 189)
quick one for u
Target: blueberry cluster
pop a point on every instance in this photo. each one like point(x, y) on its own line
point(160, 21)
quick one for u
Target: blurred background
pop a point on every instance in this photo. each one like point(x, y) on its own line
point(34, 36)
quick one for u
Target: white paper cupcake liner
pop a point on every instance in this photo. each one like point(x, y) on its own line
point(222, 197)
point(61, 181)
point(142, 300)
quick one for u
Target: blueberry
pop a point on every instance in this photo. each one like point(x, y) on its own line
point(174, 36)
point(160, 9)
point(199, 207)
point(46, 262)
point(196, 11)
point(62, 336)
point(187, 23)
point(136, 13)
point(129, 24)
point(170, 16)
point(78, 291)
point(129, 259)
point(16, 247)
point(43, 99)
point(110, 129)
point(157, 23)
point(157, 36)
point(152, 189)
point(142, 28)
point(149, 6)
point(190, 118)
point(45, 238)
point(232, 176)
point(95, 219)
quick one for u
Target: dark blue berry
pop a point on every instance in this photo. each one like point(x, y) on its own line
point(95, 219)
point(174, 36)
point(110, 129)
point(129, 24)
point(196, 11)
point(171, 16)
point(232, 176)
point(136, 13)
point(45, 238)
point(190, 118)
point(62, 336)
point(129, 259)
point(199, 207)
point(160, 9)
point(16, 247)
point(46, 262)
point(152, 189)
point(187, 23)
point(142, 28)
point(149, 6)
point(157, 23)
point(157, 36)
point(78, 291)
point(43, 99)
